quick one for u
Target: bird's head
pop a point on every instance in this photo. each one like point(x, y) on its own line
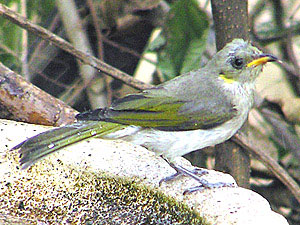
point(240, 61)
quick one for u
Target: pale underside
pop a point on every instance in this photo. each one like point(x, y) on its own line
point(173, 144)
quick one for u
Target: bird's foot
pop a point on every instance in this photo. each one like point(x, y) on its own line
point(169, 178)
point(196, 175)
point(207, 186)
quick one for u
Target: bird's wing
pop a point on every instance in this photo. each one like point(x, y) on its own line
point(156, 108)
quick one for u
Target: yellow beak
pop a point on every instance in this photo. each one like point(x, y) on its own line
point(262, 59)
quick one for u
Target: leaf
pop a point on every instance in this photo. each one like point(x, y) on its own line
point(193, 55)
point(185, 32)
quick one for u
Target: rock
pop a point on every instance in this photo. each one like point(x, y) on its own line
point(114, 182)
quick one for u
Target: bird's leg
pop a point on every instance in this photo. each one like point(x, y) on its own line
point(179, 172)
point(195, 174)
point(173, 176)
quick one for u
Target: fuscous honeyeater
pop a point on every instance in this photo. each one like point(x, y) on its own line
point(197, 109)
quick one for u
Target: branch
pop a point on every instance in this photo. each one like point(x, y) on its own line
point(61, 43)
point(270, 163)
point(75, 32)
point(28, 103)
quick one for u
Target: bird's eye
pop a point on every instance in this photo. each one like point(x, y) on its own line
point(237, 63)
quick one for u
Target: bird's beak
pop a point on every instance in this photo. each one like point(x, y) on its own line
point(262, 59)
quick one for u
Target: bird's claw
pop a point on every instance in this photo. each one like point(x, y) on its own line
point(207, 186)
point(196, 174)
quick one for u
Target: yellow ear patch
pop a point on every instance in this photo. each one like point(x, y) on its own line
point(227, 80)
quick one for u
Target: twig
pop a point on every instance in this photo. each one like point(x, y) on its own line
point(36, 62)
point(100, 48)
point(127, 50)
point(270, 163)
point(61, 43)
point(75, 32)
point(24, 47)
point(9, 51)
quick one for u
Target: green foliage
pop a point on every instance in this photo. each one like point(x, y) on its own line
point(11, 35)
point(184, 39)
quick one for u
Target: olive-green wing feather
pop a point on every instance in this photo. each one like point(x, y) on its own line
point(161, 108)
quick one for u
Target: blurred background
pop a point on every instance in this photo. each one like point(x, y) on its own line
point(155, 41)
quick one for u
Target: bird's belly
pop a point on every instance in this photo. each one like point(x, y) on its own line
point(172, 144)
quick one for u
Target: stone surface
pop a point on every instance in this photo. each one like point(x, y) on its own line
point(76, 179)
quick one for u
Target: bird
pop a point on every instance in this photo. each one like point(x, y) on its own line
point(192, 111)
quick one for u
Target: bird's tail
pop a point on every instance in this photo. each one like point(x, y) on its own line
point(41, 145)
